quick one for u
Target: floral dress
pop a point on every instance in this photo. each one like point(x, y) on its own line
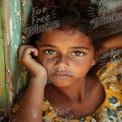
point(50, 116)
point(110, 75)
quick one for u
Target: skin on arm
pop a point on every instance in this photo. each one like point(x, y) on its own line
point(30, 109)
point(113, 42)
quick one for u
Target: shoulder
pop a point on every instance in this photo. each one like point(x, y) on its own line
point(109, 65)
point(96, 90)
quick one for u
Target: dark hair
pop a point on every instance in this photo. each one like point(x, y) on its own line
point(72, 17)
point(59, 3)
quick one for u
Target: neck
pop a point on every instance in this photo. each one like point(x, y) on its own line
point(76, 91)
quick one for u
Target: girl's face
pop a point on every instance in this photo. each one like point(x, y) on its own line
point(67, 56)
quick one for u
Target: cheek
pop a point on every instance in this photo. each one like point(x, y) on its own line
point(84, 63)
point(40, 59)
point(47, 62)
point(81, 68)
point(81, 61)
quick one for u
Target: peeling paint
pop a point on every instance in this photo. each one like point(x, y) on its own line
point(23, 2)
point(9, 84)
point(9, 72)
point(11, 26)
point(16, 47)
point(15, 5)
point(0, 84)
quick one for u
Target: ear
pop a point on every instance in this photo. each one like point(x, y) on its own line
point(95, 59)
point(97, 55)
point(93, 62)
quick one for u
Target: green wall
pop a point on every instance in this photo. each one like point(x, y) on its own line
point(13, 14)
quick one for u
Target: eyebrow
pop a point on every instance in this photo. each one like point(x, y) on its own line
point(80, 48)
point(48, 45)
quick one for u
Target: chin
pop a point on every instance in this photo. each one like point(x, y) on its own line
point(60, 82)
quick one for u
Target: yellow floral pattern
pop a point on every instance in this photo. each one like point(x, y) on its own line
point(111, 77)
point(50, 116)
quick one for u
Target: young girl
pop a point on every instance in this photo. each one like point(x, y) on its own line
point(63, 85)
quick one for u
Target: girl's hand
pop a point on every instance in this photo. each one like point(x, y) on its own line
point(26, 54)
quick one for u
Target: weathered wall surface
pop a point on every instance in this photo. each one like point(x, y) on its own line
point(13, 14)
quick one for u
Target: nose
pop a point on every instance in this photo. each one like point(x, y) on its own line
point(62, 63)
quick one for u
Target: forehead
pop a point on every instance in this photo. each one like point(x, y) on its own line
point(70, 36)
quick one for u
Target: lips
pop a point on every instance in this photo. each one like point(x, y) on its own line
point(60, 76)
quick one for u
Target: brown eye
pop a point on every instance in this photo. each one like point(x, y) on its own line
point(49, 52)
point(77, 53)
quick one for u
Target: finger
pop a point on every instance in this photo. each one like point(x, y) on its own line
point(35, 53)
point(31, 51)
point(22, 49)
point(27, 55)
